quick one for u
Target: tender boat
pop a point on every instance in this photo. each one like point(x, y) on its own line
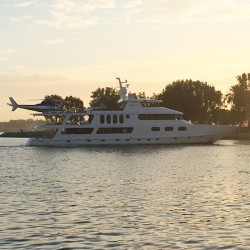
point(134, 123)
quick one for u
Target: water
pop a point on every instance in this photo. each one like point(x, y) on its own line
point(137, 197)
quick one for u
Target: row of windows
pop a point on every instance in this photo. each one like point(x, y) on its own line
point(159, 117)
point(169, 128)
point(75, 131)
point(113, 130)
point(113, 119)
point(120, 118)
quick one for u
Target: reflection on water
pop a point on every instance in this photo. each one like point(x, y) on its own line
point(139, 197)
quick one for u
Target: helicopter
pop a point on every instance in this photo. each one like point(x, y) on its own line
point(46, 106)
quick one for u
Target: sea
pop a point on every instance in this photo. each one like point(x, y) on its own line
point(125, 197)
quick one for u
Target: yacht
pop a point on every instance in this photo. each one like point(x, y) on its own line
point(135, 122)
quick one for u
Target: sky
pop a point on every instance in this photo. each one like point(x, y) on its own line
point(73, 47)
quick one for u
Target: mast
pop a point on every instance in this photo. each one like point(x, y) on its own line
point(132, 98)
point(123, 90)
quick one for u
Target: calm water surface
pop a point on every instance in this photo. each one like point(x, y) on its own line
point(136, 197)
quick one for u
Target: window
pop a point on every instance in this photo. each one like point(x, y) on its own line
point(159, 117)
point(121, 119)
point(114, 119)
point(102, 120)
point(169, 128)
point(127, 116)
point(75, 131)
point(182, 128)
point(115, 130)
point(155, 128)
point(108, 119)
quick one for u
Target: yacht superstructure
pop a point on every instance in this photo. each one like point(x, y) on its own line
point(133, 123)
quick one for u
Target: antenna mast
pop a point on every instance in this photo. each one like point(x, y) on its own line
point(123, 90)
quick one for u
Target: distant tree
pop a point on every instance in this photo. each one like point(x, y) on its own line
point(239, 99)
point(197, 100)
point(105, 98)
point(223, 116)
point(141, 95)
point(54, 98)
point(72, 104)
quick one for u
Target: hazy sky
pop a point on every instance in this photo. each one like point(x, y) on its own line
point(72, 47)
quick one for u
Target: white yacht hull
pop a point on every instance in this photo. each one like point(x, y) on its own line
point(198, 134)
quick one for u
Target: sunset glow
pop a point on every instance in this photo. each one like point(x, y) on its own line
point(72, 47)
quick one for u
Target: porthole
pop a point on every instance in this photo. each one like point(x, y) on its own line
point(182, 128)
point(169, 128)
point(155, 128)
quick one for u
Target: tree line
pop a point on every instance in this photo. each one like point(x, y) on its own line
point(199, 101)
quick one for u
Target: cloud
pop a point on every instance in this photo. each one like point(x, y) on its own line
point(60, 20)
point(76, 14)
point(53, 41)
point(24, 5)
point(131, 4)
point(8, 51)
point(163, 11)
point(72, 14)
point(20, 19)
point(82, 6)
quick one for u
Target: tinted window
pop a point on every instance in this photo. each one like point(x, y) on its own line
point(115, 130)
point(182, 128)
point(159, 117)
point(169, 129)
point(121, 118)
point(102, 119)
point(108, 119)
point(114, 119)
point(155, 128)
